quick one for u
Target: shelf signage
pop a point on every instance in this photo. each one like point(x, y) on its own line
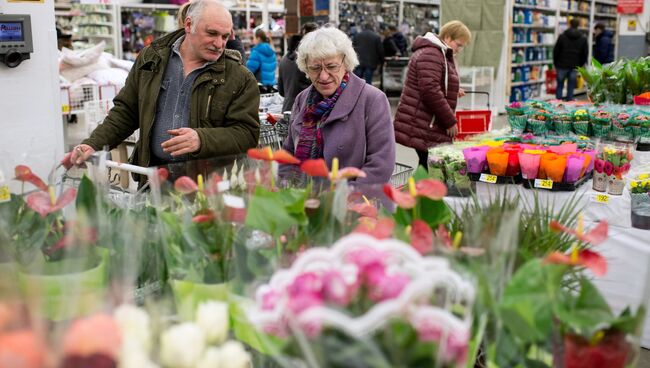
point(630, 6)
point(543, 184)
point(487, 178)
point(600, 198)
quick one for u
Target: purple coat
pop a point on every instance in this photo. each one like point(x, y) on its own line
point(359, 131)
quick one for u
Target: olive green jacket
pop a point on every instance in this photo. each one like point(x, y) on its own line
point(223, 108)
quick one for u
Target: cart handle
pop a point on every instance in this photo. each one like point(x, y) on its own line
point(481, 93)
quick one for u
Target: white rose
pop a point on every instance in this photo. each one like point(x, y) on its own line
point(213, 318)
point(134, 324)
point(134, 357)
point(182, 346)
point(233, 355)
point(211, 359)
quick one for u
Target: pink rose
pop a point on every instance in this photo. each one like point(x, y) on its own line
point(336, 290)
point(311, 328)
point(306, 283)
point(374, 275)
point(270, 299)
point(365, 257)
point(301, 302)
point(389, 288)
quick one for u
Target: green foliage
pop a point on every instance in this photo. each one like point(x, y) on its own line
point(276, 212)
point(617, 82)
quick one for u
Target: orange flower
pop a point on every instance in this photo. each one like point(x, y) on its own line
point(318, 168)
point(595, 236)
point(267, 154)
point(585, 257)
point(377, 228)
point(429, 188)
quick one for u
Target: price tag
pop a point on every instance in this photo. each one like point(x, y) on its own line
point(601, 198)
point(5, 195)
point(65, 109)
point(544, 184)
point(487, 178)
point(223, 185)
point(233, 201)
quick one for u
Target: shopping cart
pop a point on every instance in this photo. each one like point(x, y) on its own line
point(269, 135)
point(472, 122)
point(393, 74)
point(401, 174)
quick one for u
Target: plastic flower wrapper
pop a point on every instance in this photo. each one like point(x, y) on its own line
point(529, 161)
point(562, 121)
point(476, 159)
point(617, 160)
point(517, 117)
point(497, 159)
point(539, 121)
point(552, 166)
point(640, 189)
point(456, 169)
point(622, 126)
point(641, 124)
point(366, 302)
point(555, 309)
point(575, 165)
point(601, 123)
point(581, 124)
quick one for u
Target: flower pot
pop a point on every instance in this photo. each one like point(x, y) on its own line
point(611, 352)
point(57, 295)
point(639, 198)
point(615, 185)
point(476, 159)
point(600, 181)
point(188, 295)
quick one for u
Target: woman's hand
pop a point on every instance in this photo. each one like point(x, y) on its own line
point(461, 92)
point(453, 131)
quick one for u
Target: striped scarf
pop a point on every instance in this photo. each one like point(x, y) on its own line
point(310, 140)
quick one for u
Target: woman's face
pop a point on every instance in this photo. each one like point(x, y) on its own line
point(326, 74)
point(455, 45)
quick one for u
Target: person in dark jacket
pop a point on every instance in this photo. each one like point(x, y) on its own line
point(425, 114)
point(291, 80)
point(189, 96)
point(262, 60)
point(390, 47)
point(399, 40)
point(604, 48)
point(370, 51)
point(571, 51)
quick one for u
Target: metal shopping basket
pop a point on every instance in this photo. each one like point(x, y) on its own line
point(268, 133)
point(401, 174)
point(472, 122)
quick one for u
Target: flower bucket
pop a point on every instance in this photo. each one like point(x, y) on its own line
point(188, 295)
point(592, 154)
point(581, 127)
point(57, 295)
point(615, 185)
point(611, 352)
point(538, 127)
point(600, 181)
point(575, 165)
point(497, 159)
point(552, 167)
point(517, 123)
point(529, 163)
point(563, 124)
point(476, 158)
point(639, 198)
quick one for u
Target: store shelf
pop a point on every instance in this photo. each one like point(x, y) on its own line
point(520, 45)
point(526, 83)
point(540, 9)
point(539, 62)
point(150, 6)
point(607, 2)
point(94, 24)
point(575, 12)
point(605, 15)
point(105, 12)
point(534, 26)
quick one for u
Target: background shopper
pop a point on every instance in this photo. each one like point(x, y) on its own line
point(570, 51)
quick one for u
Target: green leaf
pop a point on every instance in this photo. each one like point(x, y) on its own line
point(87, 198)
point(420, 174)
point(267, 212)
point(433, 212)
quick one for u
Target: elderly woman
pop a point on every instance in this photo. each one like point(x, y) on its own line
point(340, 115)
point(425, 115)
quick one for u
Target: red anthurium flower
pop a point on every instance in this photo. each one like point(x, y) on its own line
point(421, 237)
point(585, 257)
point(45, 203)
point(74, 234)
point(595, 236)
point(377, 228)
point(204, 216)
point(267, 154)
point(364, 209)
point(163, 174)
point(185, 185)
point(25, 174)
point(319, 168)
point(454, 245)
point(429, 188)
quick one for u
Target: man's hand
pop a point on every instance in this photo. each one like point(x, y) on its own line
point(186, 140)
point(77, 156)
point(461, 92)
point(453, 131)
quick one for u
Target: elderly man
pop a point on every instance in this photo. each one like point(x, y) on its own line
point(189, 96)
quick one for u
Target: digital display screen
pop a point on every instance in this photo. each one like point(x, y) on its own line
point(11, 31)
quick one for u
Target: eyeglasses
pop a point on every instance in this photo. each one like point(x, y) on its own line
point(330, 68)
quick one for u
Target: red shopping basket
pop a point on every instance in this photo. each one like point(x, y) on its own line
point(551, 81)
point(471, 122)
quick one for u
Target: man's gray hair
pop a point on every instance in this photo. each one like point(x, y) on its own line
point(324, 43)
point(197, 7)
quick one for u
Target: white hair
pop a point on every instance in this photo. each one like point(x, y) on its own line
point(324, 43)
point(196, 8)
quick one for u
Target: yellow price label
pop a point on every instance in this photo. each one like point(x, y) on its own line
point(5, 195)
point(65, 109)
point(601, 198)
point(544, 184)
point(487, 178)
